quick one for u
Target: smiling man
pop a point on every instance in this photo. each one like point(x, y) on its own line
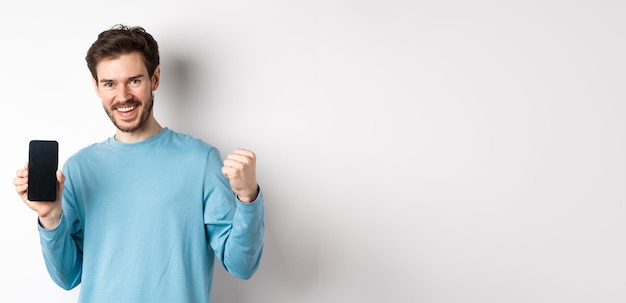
point(143, 214)
point(125, 89)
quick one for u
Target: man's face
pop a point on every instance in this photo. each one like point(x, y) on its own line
point(126, 90)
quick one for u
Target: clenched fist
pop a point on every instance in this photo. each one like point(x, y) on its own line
point(240, 169)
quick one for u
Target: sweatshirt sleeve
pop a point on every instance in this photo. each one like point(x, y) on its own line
point(62, 254)
point(235, 229)
point(62, 245)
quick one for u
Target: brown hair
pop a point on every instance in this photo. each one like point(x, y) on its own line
point(120, 40)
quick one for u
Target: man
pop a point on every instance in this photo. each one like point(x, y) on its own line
point(142, 215)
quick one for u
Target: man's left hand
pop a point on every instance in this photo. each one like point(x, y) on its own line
point(240, 169)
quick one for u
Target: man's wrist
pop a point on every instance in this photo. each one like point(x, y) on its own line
point(249, 198)
point(50, 221)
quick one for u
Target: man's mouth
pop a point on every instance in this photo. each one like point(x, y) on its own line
point(125, 109)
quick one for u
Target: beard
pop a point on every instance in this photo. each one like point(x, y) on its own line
point(145, 114)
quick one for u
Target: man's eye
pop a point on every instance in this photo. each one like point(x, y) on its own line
point(108, 84)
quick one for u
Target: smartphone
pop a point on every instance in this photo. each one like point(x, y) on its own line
point(43, 160)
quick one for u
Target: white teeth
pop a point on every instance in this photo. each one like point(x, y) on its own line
point(125, 109)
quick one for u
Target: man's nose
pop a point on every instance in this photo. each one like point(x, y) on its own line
point(123, 94)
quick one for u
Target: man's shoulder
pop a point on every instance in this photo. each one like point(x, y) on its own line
point(88, 150)
point(187, 141)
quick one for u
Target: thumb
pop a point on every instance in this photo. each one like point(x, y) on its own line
point(60, 177)
point(61, 180)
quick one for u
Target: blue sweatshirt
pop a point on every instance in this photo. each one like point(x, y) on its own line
point(144, 222)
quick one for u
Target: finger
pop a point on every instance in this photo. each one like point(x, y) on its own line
point(61, 184)
point(20, 189)
point(17, 181)
point(229, 172)
point(60, 176)
point(244, 152)
point(21, 179)
point(21, 173)
point(238, 157)
point(236, 164)
point(244, 156)
point(244, 160)
point(21, 185)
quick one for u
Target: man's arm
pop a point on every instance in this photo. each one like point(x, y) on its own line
point(234, 215)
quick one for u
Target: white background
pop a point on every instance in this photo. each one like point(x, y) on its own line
point(410, 151)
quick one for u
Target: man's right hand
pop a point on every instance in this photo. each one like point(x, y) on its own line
point(49, 212)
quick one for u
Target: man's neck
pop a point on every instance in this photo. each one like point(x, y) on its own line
point(149, 130)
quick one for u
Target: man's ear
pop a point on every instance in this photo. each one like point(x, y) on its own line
point(156, 78)
point(95, 86)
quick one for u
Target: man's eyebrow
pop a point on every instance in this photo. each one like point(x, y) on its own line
point(129, 78)
point(136, 76)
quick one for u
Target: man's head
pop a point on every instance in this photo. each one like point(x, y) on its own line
point(120, 40)
point(124, 64)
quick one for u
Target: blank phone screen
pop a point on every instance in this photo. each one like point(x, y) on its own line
point(43, 158)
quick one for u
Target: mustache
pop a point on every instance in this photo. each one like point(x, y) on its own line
point(125, 104)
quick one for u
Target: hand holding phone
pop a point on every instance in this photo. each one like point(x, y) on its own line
point(43, 161)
